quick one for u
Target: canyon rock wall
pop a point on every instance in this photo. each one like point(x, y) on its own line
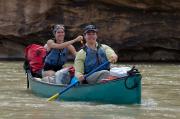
point(138, 30)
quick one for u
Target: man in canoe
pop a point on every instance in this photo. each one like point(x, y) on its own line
point(57, 51)
point(92, 55)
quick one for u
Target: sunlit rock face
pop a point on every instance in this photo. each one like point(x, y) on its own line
point(138, 30)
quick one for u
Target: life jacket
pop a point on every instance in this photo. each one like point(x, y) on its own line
point(56, 57)
point(94, 58)
point(35, 55)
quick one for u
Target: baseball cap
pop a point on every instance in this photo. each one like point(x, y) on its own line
point(90, 28)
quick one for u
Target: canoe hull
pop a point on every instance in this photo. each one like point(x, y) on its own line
point(126, 90)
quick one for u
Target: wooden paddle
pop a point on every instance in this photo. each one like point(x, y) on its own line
point(55, 96)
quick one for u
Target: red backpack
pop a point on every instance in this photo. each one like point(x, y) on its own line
point(35, 55)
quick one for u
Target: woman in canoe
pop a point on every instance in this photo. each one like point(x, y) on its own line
point(91, 56)
point(57, 51)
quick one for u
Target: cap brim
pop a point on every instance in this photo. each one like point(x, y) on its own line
point(94, 30)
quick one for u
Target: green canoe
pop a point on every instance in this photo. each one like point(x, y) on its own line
point(125, 90)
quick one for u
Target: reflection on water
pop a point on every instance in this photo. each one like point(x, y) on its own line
point(160, 97)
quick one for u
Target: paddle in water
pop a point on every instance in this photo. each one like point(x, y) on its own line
point(55, 96)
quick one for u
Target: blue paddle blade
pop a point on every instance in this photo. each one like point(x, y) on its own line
point(74, 80)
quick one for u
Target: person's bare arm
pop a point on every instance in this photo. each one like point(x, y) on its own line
point(52, 44)
point(72, 50)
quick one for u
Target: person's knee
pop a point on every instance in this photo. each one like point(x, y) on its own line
point(105, 72)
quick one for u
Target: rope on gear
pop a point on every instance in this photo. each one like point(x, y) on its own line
point(132, 72)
